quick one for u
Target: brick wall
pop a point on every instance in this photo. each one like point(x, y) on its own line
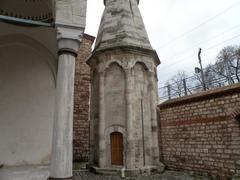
point(81, 102)
point(200, 133)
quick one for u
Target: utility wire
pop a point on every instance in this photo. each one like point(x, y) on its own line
point(198, 26)
point(193, 74)
point(211, 47)
point(205, 41)
point(192, 86)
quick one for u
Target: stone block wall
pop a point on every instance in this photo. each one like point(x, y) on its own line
point(81, 102)
point(201, 133)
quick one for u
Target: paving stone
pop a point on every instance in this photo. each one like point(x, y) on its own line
point(168, 175)
point(42, 173)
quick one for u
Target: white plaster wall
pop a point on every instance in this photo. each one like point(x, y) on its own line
point(27, 89)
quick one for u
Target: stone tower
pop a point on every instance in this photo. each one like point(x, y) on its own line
point(123, 122)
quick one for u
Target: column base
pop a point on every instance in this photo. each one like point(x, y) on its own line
point(51, 178)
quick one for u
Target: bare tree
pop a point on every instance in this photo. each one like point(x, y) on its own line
point(235, 64)
point(227, 65)
point(176, 82)
point(209, 76)
point(226, 70)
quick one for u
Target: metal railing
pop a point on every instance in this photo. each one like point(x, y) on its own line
point(191, 85)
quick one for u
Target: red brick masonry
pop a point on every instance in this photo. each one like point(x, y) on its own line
point(201, 133)
point(81, 101)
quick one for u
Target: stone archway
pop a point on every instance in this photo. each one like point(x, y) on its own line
point(26, 101)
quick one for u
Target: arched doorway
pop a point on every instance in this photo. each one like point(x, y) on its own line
point(117, 148)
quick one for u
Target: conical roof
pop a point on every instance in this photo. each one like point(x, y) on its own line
point(122, 25)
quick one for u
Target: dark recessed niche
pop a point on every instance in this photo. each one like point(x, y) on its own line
point(238, 118)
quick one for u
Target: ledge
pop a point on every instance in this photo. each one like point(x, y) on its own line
point(127, 48)
point(89, 37)
point(210, 94)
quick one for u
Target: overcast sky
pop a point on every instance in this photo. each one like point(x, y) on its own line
point(178, 28)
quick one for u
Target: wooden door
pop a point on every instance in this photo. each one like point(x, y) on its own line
point(117, 148)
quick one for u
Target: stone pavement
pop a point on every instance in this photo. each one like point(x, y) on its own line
point(168, 175)
point(42, 173)
point(24, 173)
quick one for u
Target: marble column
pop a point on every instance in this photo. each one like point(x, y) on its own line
point(61, 157)
point(102, 144)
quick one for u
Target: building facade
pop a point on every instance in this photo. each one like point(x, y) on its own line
point(39, 41)
point(201, 133)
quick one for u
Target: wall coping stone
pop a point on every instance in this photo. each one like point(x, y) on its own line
point(89, 37)
point(210, 94)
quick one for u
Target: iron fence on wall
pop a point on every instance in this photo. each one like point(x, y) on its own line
point(191, 85)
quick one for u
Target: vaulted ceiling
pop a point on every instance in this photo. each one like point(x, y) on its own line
point(38, 10)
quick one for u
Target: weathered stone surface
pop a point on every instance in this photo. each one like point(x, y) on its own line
point(71, 13)
point(200, 133)
point(159, 168)
point(124, 90)
point(126, 84)
point(122, 25)
point(81, 102)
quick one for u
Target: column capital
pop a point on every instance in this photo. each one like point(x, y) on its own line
point(68, 39)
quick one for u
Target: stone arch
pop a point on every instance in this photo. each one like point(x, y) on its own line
point(111, 62)
point(22, 40)
point(115, 93)
point(145, 65)
point(140, 69)
point(114, 97)
point(27, 100)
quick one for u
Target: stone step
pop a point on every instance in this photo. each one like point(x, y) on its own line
point(106, 171)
